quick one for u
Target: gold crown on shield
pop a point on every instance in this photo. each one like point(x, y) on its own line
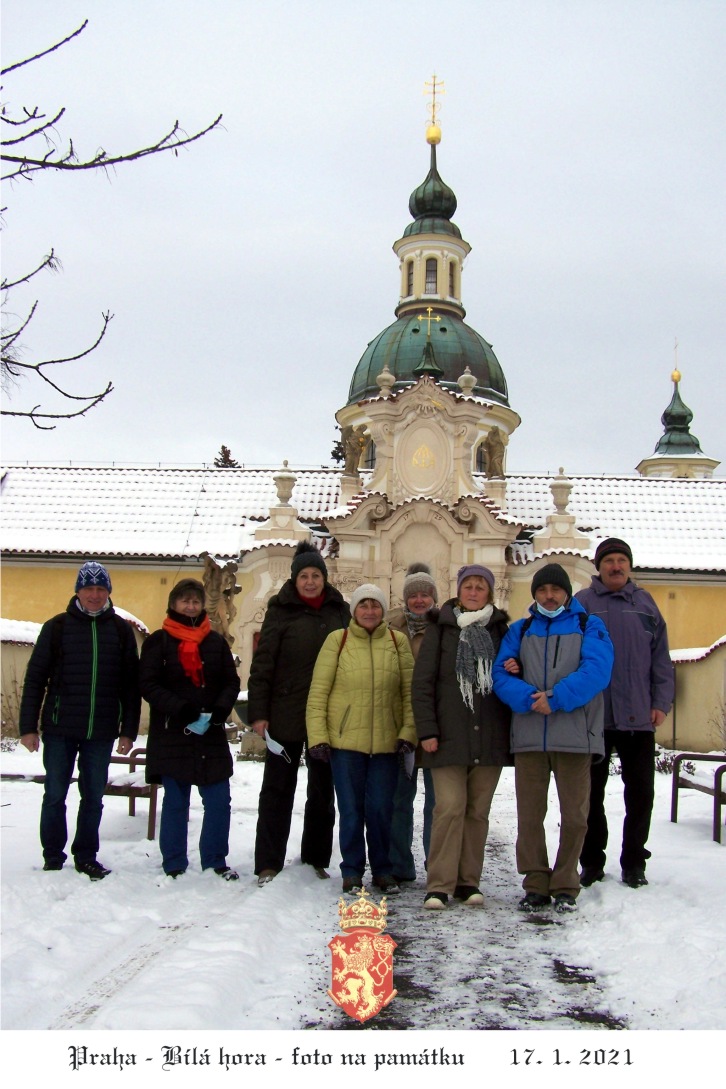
point(362, 912)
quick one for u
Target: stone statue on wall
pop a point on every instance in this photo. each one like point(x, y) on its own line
point(220, 587)
point(494, 447)
point(354, 441)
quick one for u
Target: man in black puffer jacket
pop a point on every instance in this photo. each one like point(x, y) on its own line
point(84, 674)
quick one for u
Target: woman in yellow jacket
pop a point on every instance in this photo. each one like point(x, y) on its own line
point(359, 717)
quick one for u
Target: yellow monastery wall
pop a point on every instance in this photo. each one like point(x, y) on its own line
point(695, 615)
point(37, 591)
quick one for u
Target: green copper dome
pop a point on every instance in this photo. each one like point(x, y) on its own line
point(432, 205)
point(454, 346)
point(676, 420)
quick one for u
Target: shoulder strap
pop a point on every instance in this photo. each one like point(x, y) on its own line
point(342, 641)
point(527, 623)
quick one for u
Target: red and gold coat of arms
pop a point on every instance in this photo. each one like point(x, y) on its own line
point(362, 958)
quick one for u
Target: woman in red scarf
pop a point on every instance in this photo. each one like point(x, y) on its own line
point(189, 680)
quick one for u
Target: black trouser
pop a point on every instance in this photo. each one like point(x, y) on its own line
point(636, 750)
point(275, 810)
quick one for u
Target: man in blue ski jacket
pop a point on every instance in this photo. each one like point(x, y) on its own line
point(637, 700)
point(551, 669)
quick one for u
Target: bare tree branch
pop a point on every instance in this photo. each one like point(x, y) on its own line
point(50, 261)
point(33, 125)
point(52, 49)
point(172, 141)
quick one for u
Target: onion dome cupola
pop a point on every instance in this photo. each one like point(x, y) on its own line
point(677, 453)
point(429, 335)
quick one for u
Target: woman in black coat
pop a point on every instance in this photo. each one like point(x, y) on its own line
point(189, 680)
point(297, 622)
point(464, 733)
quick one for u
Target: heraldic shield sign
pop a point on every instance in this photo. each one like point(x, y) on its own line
point(362, 958)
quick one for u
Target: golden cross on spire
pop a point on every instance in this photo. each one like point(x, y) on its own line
point(675, 374)
point(437, 87)
point(429, 319)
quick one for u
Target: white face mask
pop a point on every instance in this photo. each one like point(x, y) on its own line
point(551, 613)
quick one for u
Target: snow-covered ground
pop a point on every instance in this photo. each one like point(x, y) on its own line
point(202, 963)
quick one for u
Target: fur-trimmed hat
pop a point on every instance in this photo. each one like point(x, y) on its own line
point(553, 575)
point(307, 555)
point(419, 580)
point(612, 544)
point(474, 569)
point(367, 590)
point(93, 574)
point(186, 586)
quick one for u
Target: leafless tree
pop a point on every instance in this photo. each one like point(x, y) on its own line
point(31, 146)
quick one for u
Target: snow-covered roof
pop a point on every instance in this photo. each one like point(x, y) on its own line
point(138, 512)
point(696, 654)
point(669, 524)
point(26, 632)
point(22, 632)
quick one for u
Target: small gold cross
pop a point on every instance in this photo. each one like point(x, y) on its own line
point(429, 311)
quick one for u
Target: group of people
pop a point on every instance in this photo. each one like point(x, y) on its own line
point(369, 699)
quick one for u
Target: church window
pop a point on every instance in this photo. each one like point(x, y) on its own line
point(431, 276)
point(452, 279)
point(481, 458)
point(370, 455)
point(409, 277)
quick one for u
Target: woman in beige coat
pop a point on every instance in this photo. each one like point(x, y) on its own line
point(359, 717)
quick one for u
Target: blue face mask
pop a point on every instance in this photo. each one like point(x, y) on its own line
point(551, 613)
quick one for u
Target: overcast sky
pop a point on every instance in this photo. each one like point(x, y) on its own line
point(585, 142)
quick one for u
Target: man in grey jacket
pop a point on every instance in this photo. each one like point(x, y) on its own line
point(637, 701)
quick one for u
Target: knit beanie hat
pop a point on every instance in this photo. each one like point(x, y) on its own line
point(554, 575)
point(612, 544)
point(474, 569)
point(365, 591)
point(307, 555)
point(419, 580)
point(184, 587)
point(93, 574)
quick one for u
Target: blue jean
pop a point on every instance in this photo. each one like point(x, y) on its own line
point(59, 758)
point(402, 861)
point(364, 787)
point(214, 837)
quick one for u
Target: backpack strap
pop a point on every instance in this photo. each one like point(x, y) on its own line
point(582, 617)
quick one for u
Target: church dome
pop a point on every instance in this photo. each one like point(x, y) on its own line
point(455, 346)
point(432, 204)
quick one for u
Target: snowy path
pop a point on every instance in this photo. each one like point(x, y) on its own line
point(139, 951)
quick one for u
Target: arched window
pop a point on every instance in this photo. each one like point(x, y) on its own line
point(409, 277)
point(452, 279)
point(481, 458)
point(370, 455)
point(431, 276)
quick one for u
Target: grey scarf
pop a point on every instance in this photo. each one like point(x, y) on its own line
point(474, 653)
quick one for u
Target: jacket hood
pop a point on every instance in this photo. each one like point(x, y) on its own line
point(572, 606)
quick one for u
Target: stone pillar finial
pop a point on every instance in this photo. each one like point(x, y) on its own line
point(284, 483)
point(561, 487)
point(466, 381)
point(385, 381)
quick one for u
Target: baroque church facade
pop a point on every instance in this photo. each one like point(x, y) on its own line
point(425, 433)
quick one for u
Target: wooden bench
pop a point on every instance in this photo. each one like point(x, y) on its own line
point(131, 786)
point(683, 782)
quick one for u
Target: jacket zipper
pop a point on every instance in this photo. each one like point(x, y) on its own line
point(544, 686)
point(94, 677)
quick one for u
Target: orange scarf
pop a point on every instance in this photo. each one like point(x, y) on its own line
point(189, 640)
